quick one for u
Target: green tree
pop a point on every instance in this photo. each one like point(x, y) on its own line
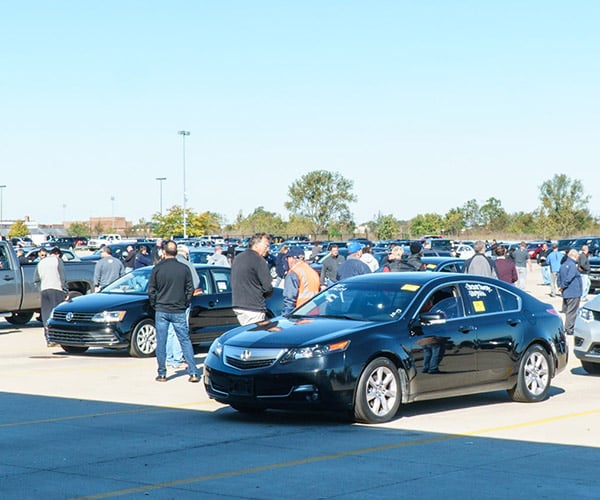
point(298, 225)
point(493, 216)
point(426, 224)
point(322, 197)
point(387, 227)
point(454, 221)
point(170, 224)
point(18, 229)
point(78, 229)
point(260, 221)
point(471, 214)
point(565, 205)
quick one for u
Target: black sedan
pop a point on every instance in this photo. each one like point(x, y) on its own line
point(120, 316)
point(371, 342)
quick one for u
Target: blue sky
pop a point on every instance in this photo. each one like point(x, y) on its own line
point(422, 104)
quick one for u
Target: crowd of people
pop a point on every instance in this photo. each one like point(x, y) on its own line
point(174, 279)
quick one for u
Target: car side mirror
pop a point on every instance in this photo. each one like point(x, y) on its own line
point(432, 318)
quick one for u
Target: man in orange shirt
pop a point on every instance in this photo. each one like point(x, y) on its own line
point(302, 282)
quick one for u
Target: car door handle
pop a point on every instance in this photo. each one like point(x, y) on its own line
point(8, 277)
point(467, 329)
point(513, 322)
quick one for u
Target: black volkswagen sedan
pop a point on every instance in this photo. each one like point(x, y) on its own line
point(120, 316)
point(369, 343)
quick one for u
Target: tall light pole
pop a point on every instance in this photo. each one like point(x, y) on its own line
point(160, 180)
point(1, 207)
point(183, 134)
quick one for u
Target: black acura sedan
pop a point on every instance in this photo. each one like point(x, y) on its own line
point(369, 343)
point(120, 316)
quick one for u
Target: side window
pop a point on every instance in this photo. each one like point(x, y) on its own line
point(482, 298)
point(205, 284)
point(444, 300)
point(510, 302)
point(222, 281)
point(4, 262)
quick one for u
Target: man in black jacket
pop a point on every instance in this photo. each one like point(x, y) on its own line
point(251, 282)
point(170, 291)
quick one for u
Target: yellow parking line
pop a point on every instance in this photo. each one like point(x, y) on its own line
point(330, 456)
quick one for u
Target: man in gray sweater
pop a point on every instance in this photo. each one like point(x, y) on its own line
point(50, 277)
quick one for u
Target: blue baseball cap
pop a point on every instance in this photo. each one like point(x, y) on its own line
point(354, 247)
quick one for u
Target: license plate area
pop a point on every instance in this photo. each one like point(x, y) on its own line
point(241, 386)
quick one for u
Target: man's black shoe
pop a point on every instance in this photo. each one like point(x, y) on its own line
point(194, 379)
point(161, 378)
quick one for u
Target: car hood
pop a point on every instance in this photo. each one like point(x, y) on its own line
point(284, 332)
point(101, 302)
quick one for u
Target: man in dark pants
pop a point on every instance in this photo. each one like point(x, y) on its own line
point(569, 283)
point(50, 276)
point(170, 291)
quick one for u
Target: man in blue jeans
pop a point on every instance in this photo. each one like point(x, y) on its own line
point(170, 291)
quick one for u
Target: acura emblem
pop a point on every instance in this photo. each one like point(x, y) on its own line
point(69, 316)
point(246, 355)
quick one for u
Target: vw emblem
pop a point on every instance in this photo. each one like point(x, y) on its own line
point(246, 355)
point(69, 316)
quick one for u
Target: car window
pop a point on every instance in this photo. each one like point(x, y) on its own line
point(205, 283)
point(445, 300)
point(482, 298)
point(4, 262)
point(510, 302)
point(135, 282)
point(222, 281)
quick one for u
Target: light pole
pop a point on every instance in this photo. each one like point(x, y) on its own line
point(1, 207)
point(161, 179)
point(183, 134)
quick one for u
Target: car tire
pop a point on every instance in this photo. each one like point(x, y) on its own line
point(19, 318)
point(534, 376)
point(591, 368)
point(143, 340)
point(378, 393)
point(74, 349)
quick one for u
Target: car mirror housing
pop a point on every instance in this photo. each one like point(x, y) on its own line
point(432, 318)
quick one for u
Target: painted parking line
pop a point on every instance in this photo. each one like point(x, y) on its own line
point(332, 456)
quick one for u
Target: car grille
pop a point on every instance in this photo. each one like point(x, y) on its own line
point(77, 316)
point(82, 338)
point(251, 358)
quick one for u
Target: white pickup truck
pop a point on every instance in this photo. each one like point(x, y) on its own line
point(103, 239)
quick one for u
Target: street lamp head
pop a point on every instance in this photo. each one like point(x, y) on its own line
point(183, 132)
point(161, 178)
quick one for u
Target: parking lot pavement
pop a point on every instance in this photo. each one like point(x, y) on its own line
point(98, 426)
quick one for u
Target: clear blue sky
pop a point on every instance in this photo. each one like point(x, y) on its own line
point(423, 104)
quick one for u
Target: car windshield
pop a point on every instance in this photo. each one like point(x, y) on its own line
point(360, 302)
point(135, 282)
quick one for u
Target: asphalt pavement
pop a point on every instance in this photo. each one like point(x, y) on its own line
point(98, 426)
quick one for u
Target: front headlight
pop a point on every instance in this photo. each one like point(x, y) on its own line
point(314, 351)
point(586, 314)
point(108, 317)
point(216, 348)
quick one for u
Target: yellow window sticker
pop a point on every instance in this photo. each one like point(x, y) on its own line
point(478, 306)
point(410, 288)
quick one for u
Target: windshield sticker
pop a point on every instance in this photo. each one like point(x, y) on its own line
point(395, 313)
point(409, 288)
point(430, 266)
point(478, 306)
point(478, 290)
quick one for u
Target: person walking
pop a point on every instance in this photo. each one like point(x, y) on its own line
point(368, 258)
point(217, 258)
point(480, 264)
point(107, 269)
point(554, 261)
point(157, 253)
point(174, 351)
point(521, 259)
point(330, 266)
point(352, 266)
point(583, 264)
point(251, 281)
point(49, 275)
point(301, 282)
point(569, 283)
point(170, 291)
point(505, 268)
